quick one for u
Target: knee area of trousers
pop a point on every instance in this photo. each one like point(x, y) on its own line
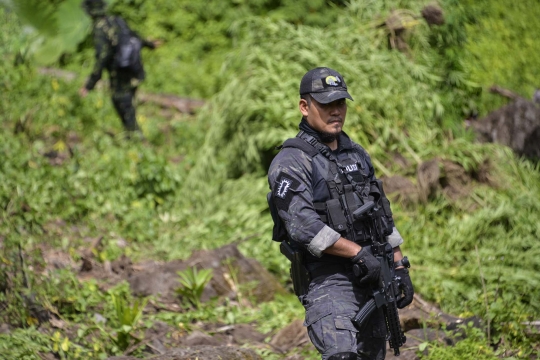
point(344, 356)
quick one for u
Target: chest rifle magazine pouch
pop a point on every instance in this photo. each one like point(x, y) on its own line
point(353, 202)
point(336, 217)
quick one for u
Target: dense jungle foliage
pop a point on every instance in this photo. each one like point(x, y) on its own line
point(199, 182)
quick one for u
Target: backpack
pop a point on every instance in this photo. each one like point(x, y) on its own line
point(127, 55)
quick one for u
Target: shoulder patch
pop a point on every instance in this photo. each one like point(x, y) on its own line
point(283, 186)
point(284, 190)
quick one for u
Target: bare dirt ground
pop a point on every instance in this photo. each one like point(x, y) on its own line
point(421, 321)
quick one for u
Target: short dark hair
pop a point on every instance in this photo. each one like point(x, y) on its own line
point(306, 97)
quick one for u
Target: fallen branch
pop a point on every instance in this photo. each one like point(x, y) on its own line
point(532, 327)
point(496, 89)
point(182, 104)
point(143, 342)
point(58, 73)
point(425, 306)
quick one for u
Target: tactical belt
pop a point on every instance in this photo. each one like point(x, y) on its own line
point(334, 268)
point(330, 269)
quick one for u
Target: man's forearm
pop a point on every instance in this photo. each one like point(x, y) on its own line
point(348, 249)
point(94, 77)
point(344, 248)
point(398, 255)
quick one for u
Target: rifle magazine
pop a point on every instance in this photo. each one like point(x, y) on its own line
point(364, 313)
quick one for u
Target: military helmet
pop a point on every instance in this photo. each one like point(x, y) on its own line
point(94, 7)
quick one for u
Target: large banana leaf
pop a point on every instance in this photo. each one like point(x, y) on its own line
point(73, 24)
point(38, 14)
point(58, 29)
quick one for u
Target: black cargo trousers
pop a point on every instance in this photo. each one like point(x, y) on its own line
point(331, 302)
point(123, 88)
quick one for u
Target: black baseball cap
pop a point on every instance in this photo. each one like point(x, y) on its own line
point(324, 85)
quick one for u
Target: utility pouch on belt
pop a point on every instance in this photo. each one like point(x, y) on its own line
point(299, 274)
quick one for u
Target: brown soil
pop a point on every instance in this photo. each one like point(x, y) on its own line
point(211, 340)
point(436, 177)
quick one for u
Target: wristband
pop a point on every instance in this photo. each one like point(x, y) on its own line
point(402, 262)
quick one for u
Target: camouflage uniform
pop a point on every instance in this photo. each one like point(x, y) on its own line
point(123, 83)
point(334, 297)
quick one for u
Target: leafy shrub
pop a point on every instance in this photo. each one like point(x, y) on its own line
point(127, 316)
point(193, 283)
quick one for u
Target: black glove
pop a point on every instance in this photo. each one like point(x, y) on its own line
point(406, 288)
point(366, 267)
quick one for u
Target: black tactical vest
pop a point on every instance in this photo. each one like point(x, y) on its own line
point(357, 207)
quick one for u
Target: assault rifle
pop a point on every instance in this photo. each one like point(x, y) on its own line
point(384, 295)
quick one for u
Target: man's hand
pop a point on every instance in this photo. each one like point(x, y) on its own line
point(406, 288)
point(369, 266)
point(157, 43)
point(83, 92)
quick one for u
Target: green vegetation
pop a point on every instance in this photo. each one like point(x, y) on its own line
point(503, 47)
point(193, 283)
point(67, 173)
point(127, 318)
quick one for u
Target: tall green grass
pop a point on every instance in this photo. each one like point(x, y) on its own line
point(200, 183)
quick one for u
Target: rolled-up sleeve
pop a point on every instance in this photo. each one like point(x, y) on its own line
point(395, 238)
point(289, 178)
point(323, 240)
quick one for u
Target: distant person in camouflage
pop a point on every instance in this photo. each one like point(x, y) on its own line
point(111, 35)
point(317, 181)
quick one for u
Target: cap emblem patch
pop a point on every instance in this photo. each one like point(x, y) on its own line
point(333, 80)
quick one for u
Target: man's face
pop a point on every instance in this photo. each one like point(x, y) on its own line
point(325, 118)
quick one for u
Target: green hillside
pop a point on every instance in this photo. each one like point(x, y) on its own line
point(199, 182)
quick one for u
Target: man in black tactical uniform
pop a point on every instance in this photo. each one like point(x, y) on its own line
point(310, 184)
point(123, 81)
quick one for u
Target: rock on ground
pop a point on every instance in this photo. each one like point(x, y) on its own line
point(292, 336)
point(433, 177)
point(516, 125)
point(230, 269)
